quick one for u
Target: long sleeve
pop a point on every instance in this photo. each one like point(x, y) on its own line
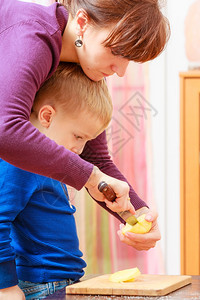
point(11, 190)
point(96, 152)
point(29, 52)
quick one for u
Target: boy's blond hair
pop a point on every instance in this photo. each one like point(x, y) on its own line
point(72, 90)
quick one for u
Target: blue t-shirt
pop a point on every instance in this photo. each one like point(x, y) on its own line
point(37, 229)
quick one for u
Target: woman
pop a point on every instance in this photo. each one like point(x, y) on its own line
point(102, 36)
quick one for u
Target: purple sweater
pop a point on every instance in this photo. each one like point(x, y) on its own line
point(30, 45)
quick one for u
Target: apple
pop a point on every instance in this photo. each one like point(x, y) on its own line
point(125, 275)
point(142, 226)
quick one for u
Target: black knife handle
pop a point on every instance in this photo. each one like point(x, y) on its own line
point(107, 191)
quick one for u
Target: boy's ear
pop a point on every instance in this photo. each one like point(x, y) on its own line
point(46, 114)
point(82, 20)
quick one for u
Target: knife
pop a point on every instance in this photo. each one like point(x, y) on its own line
point(110, 195)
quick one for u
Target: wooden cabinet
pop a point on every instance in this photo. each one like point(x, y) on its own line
point(190, 172)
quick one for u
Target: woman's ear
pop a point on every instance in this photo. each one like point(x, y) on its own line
point(45, 115)
point(82, 20)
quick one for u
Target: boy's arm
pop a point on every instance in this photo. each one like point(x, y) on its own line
point(8, 272)
point(13, 198)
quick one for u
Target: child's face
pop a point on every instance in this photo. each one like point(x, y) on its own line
point(73, 131)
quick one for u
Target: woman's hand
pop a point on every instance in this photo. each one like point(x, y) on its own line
point(142, 241)
point(13, 292)
point(121, 189)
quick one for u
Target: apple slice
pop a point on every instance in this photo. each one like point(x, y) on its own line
point(125, 275)
point(142, 226)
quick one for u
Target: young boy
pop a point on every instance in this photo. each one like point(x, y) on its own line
point(38, 239)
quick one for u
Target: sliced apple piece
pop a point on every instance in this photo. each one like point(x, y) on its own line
point(142, 226)
point(125, 275)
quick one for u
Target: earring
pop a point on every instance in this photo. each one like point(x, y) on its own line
point(79, 42)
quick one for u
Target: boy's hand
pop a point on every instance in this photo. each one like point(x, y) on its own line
point(143, 241)
point(121, 189)
point(13, 292)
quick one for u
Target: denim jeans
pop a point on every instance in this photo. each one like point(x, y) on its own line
point(37, 291)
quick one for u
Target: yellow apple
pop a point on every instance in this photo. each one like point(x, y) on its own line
point(125, 275)
point(142, 226)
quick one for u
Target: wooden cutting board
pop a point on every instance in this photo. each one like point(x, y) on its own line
point(144, 285)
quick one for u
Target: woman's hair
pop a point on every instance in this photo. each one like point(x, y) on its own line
point(140, 30)
point(72, 91)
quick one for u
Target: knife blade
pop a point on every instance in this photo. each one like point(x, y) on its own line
point(110, 195)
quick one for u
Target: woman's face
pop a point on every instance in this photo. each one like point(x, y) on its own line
point(96, 60)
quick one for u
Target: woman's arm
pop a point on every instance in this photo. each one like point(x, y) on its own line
point(26, 61)
point(29, 60)
point(96, 152)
